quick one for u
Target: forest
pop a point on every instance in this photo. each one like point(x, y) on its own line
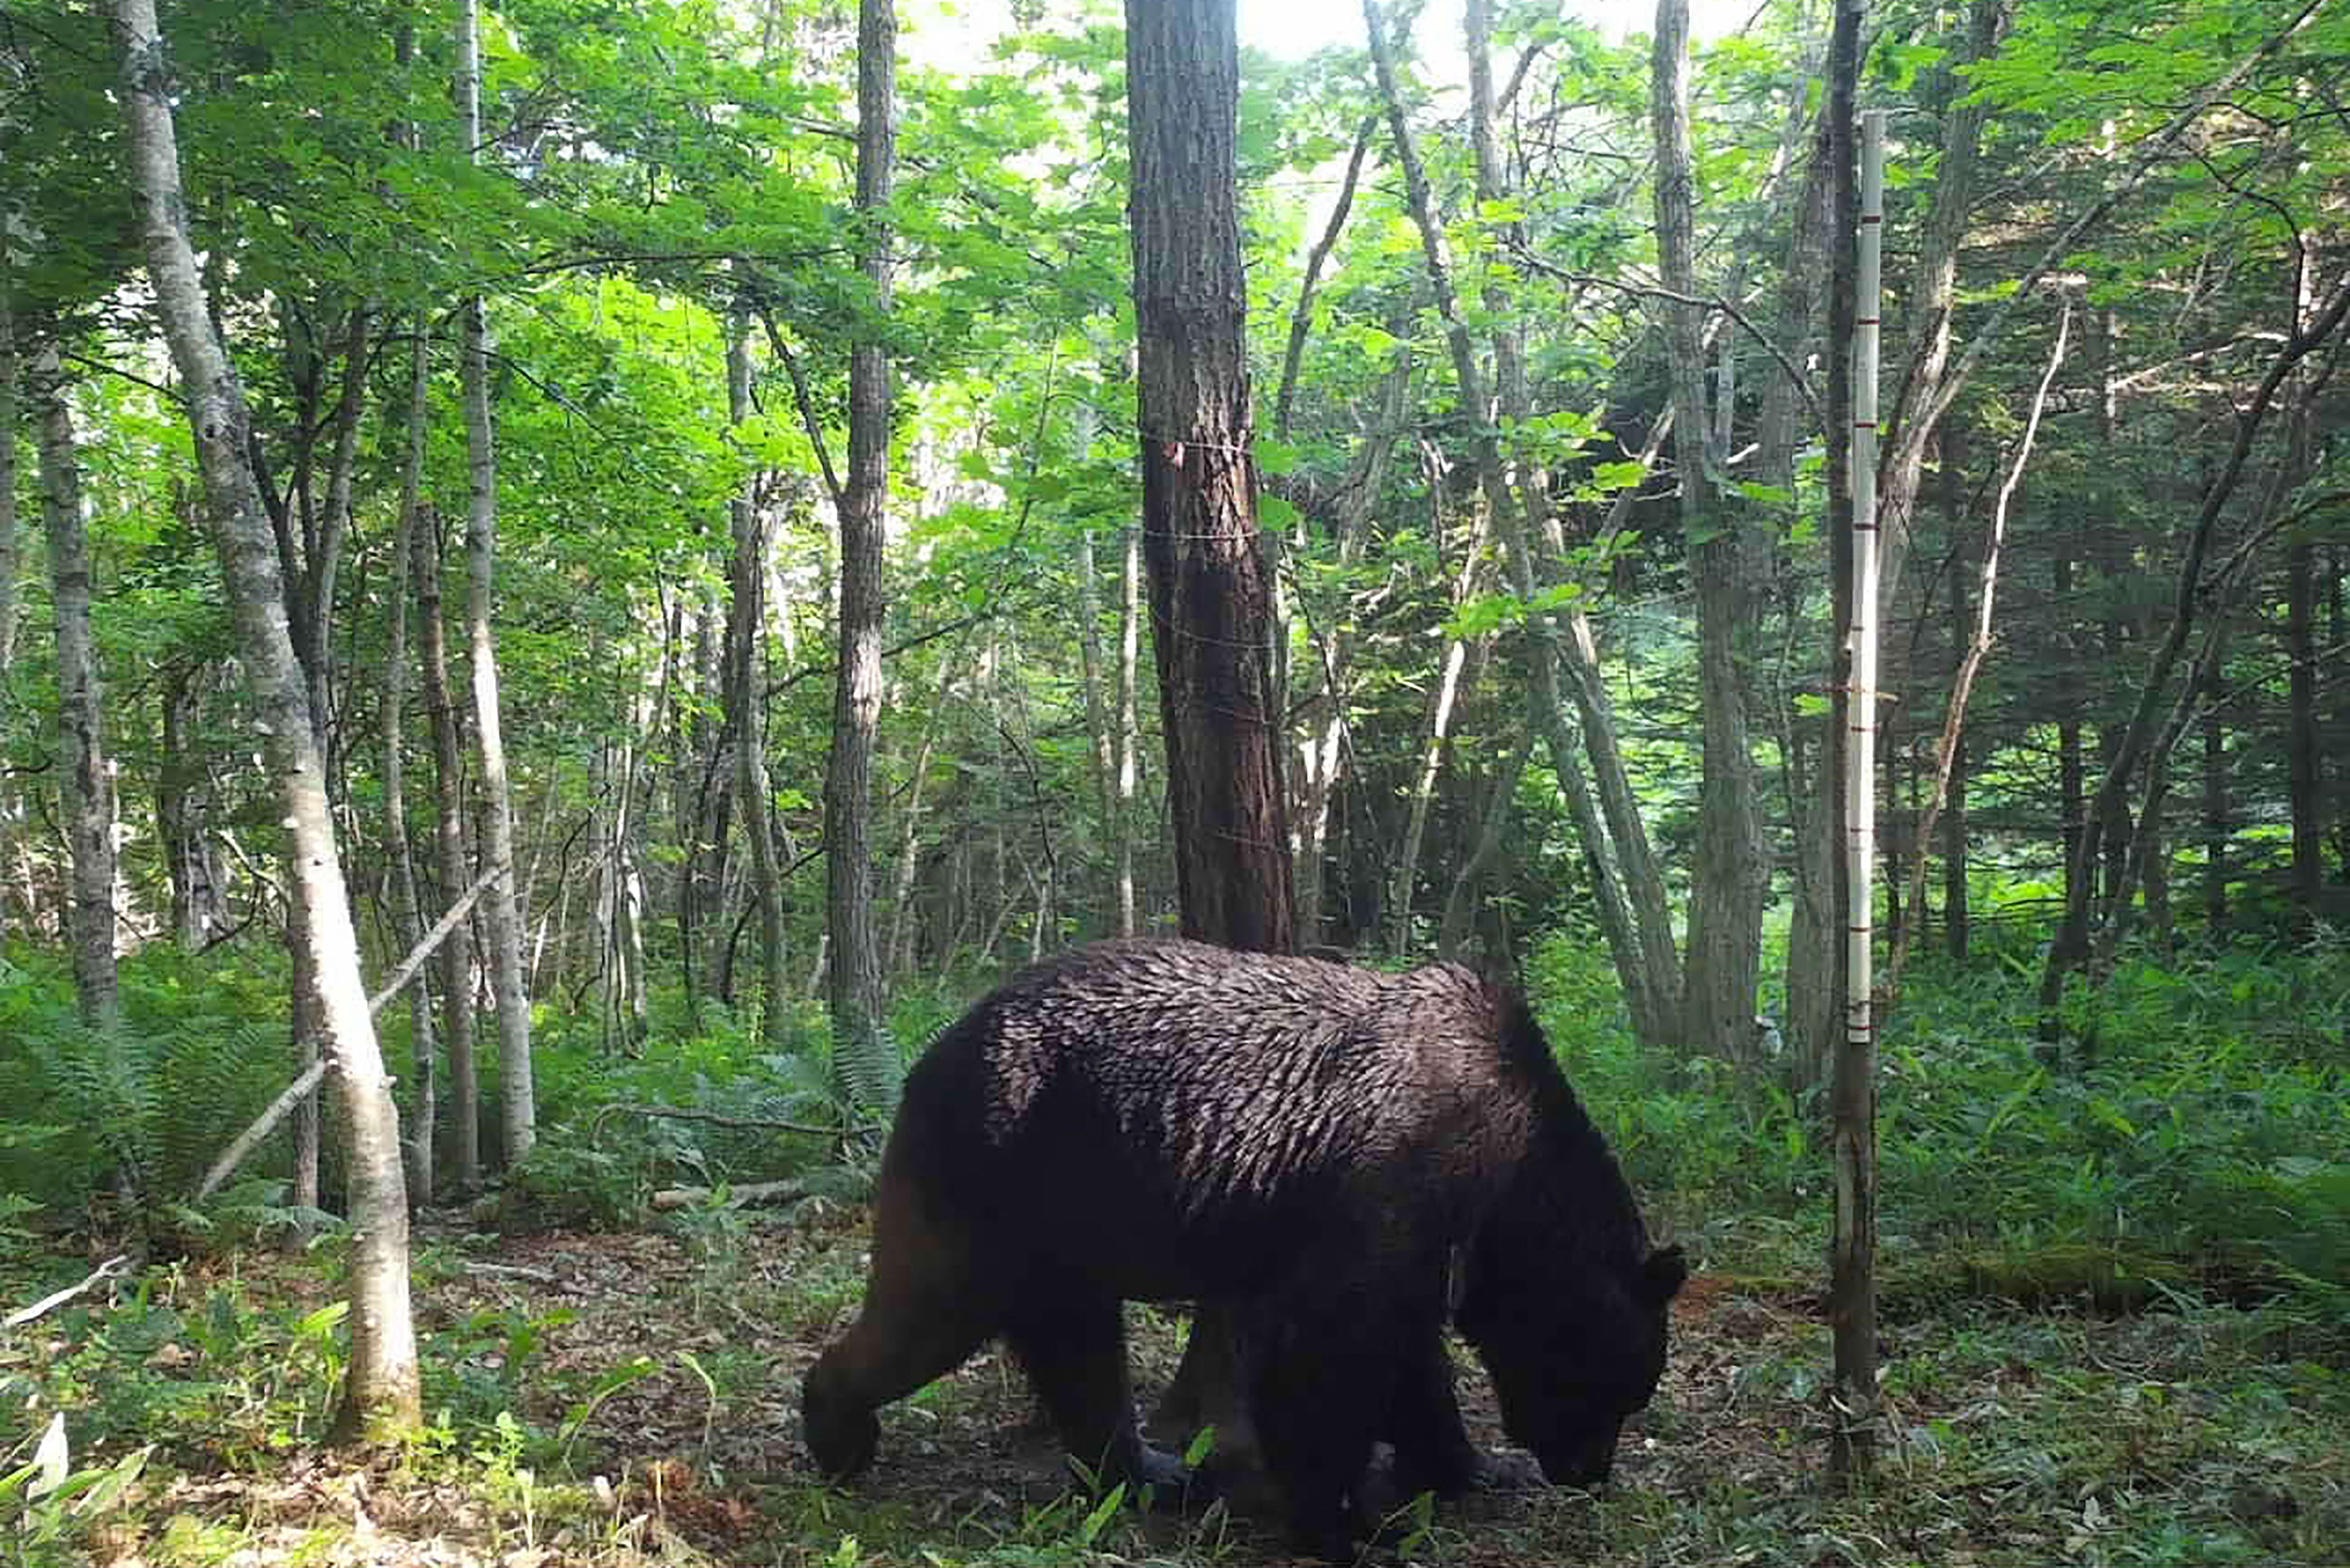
point(580, 577)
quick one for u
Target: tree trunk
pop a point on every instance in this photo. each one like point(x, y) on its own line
point(449, 865)
point(861, 1046)
point(1852, 1121)
point(747, 687)
point(1731, 875)
point(1813, 934)
point(381, 1396)
point(86, 789)
point(503, 904)
point(8, 556)
point(1211, 593)
point(407, 906)
point(1627, 891)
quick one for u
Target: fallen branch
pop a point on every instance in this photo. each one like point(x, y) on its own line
point(736, 1197)
point(263, 1125)
point(428, 943)
point(514, 1271)
point(673, 1113)
point(283, 1105)
point(105, 1270)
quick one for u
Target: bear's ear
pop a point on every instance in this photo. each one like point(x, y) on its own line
point(1664, 1273)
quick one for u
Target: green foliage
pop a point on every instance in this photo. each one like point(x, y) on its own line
point(50, 1502)
point(143, 1110)
point(2206, 1138)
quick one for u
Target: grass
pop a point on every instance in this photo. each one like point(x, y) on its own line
point(2185, 1433)
point(2116, 1293)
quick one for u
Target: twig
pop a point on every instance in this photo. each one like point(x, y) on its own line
point(105, 1270)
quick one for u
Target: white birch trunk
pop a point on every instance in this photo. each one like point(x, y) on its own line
point(502, 905)
point(382, 1393)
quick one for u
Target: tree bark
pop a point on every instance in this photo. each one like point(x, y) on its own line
point(9, 361)
point(450, 866)
point(502, 907)
point(747, 688)
point(86, 789)
point(381, 1396)
point(859, 1040)
point(1211, 593)
point(407, 906)
point(1731, 875)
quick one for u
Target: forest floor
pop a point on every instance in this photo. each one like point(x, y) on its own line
point(652, 1382)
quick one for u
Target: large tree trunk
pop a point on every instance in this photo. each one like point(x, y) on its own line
point(86, 791)
point(860, 1044)
point(381, 1396)
point(1211, 593)
point(746, 687)
point(1729, 876)
point(502, 903)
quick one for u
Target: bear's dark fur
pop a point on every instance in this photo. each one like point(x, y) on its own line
point(1328, 1155)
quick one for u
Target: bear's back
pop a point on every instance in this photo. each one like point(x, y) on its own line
point(1218, 1109)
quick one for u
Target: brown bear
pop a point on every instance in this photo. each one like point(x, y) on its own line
point(1334, 1159)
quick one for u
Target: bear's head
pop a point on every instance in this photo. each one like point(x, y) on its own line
point(1571, 1361)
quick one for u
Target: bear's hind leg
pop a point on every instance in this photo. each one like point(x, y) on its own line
point(1073, 1348)
point(925, 1311)
point(1319, 1383)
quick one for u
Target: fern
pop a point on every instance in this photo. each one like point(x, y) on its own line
point(869, 1072)
point(106, 1083)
